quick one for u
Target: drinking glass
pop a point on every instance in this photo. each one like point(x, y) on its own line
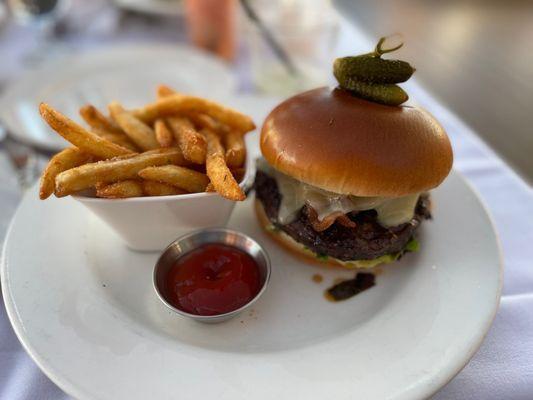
point(306, 30)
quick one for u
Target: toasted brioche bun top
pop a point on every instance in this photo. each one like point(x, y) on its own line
point(333, 140)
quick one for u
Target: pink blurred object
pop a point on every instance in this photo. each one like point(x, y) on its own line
point(211, 25)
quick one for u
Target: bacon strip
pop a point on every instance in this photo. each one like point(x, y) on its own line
point(327, 221)
point(345, 221)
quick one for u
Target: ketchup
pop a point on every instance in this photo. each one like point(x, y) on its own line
point(212, 279)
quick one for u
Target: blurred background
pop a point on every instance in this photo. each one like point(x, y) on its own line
point(474, 56)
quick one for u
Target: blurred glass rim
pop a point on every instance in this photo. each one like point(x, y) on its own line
point(292, 30)
point(323, 21)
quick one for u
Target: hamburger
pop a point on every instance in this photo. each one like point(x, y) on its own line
point(346, 180)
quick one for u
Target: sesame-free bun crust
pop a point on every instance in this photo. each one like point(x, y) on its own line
point(333, 140)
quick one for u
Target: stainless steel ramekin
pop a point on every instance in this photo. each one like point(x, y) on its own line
point(191, 241)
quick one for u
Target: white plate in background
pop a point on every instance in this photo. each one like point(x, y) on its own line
point(129, 74)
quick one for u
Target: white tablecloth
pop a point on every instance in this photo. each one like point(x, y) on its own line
point(503, 367)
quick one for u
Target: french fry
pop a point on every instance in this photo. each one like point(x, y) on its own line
point(184, 178)
point(191, 142)
point(109, 171)
point(210, 188)
point(120, 139)
point(153, 188)
point(79, 136)
point(180, 104)
point(62, 161)
point(120, 190)
point(198, 119)
point(164, 90)
point(235, 149)
point(96, 120)
point(105, 127)
point(238, 174)
point(162, 133)
point(217, 170)
point(204, 121)
point(140, 133)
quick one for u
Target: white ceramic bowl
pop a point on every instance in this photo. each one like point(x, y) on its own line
point(151, 223)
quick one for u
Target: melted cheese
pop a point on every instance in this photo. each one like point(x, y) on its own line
point(295, 194)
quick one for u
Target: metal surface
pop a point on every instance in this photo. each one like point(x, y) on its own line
point(192, 241)
point(474, 56)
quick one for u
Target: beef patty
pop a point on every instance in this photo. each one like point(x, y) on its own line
point(368, 240)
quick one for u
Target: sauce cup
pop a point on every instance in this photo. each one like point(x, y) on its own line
point(191, 241)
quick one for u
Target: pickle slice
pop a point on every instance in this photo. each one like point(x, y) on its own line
point(371, 69)
point(388, 94)
point(372, 78)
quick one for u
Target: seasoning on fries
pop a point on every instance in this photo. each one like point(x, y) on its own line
point(162, 134)
point(180, 144)
point(183, 178)
point(120, 190)
point(153, 188)
point(217, 170)
point(121, 140)
point(114, 170)
point(235, 149)
point(79, 136)
point(191, 142)
point(97, 120)
point(66, 159)
point(140, 133)
point(179, 103)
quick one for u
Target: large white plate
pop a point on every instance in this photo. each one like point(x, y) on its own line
point(128, 73)
point(84, 309)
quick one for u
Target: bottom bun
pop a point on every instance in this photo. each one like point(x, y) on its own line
point(304, 252)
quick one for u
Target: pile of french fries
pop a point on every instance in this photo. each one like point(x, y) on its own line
point(178, 144)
